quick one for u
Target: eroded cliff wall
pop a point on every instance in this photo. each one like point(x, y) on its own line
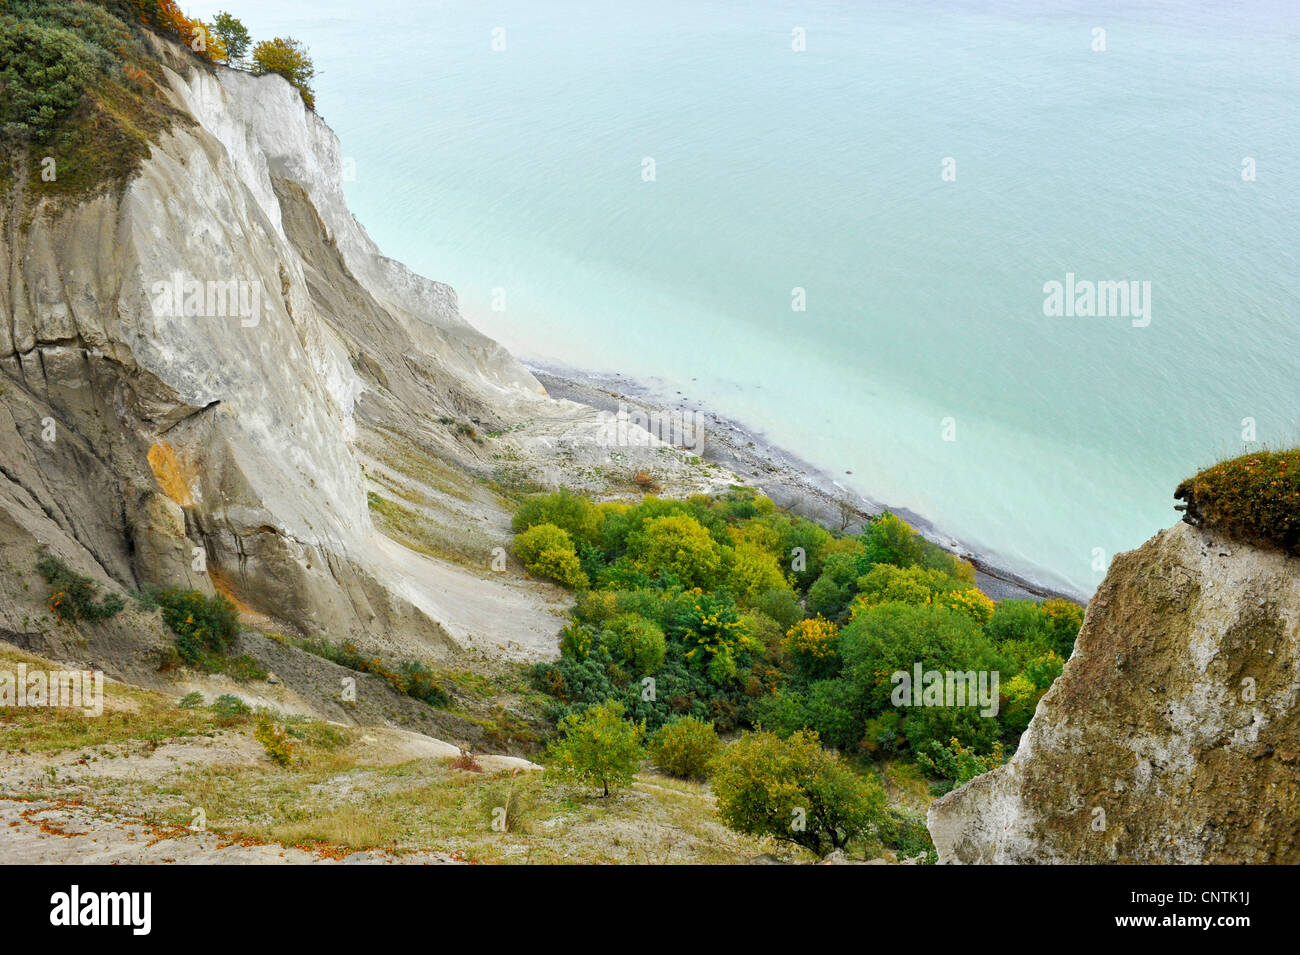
point(1173, 734)
point(246, 448)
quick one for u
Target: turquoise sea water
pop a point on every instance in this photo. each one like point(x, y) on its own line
point(522, 170)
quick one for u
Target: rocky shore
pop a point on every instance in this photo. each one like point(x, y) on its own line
point(791, 482)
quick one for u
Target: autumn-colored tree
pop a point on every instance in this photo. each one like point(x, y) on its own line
point(206, 42)
point(289, 58)
point(166, 17)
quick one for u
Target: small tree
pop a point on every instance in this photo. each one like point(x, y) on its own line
point(599, 747)
point(234, 36)
point(795, 791)
point(287, 57)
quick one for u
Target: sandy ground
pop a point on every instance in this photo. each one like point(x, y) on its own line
point(512, 618)
point(63, 829)
point(60, 833)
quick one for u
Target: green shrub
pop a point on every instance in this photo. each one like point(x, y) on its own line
point(752, 572)
point(202, 624)
point(795, 791)
point(679, 546)
point(1064, 620)
point(230, 707)
point(782, 605)
point(765, 632)
point(548, 551)
point(634, 640)
point(832, 712)
point(783, 712)
point(191, 700)
point(891, 540)
point(1023, 691)
point(909, 837)
point(955, 764)
point(891, 637)
point(275, 740)
point(409, 676)
point(79, 88)
point(572, 513)
point(44, 70)
point(685, 748)
point(1051, 625)
point(73, 596)
point(714, 636)
point(813, 647)
point(909, 585)
point(418, 681)
point(599, 747)
point(1254, 498)
point(812, 540)
point(1018, 620)
point(831, 592)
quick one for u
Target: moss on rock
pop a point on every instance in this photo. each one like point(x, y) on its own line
point(1253, 498)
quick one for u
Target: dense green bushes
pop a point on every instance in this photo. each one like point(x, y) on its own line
point(408, 676)
point(769, 621)
point(43, 71)
point(201, 623)
point(205, 629)
point(82, 95)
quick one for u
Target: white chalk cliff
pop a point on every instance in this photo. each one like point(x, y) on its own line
point(155, 449)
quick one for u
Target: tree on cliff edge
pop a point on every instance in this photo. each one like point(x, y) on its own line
point(288, 57)
point(234, 36)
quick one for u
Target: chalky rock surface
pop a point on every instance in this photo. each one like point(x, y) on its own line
point(249, 451)
point(1174, 733)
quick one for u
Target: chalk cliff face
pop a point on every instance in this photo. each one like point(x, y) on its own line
point(1174, 733)
point(248, 450)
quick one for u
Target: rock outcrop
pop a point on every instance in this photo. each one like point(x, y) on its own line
point(1173, 736)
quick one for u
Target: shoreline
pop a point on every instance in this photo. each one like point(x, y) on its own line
point(791, 482)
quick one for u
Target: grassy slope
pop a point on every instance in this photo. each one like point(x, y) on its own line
point(150, 759)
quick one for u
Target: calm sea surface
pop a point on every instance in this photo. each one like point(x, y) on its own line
point(823, 170)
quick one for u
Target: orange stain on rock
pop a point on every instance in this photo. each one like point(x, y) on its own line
point(169, 474)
